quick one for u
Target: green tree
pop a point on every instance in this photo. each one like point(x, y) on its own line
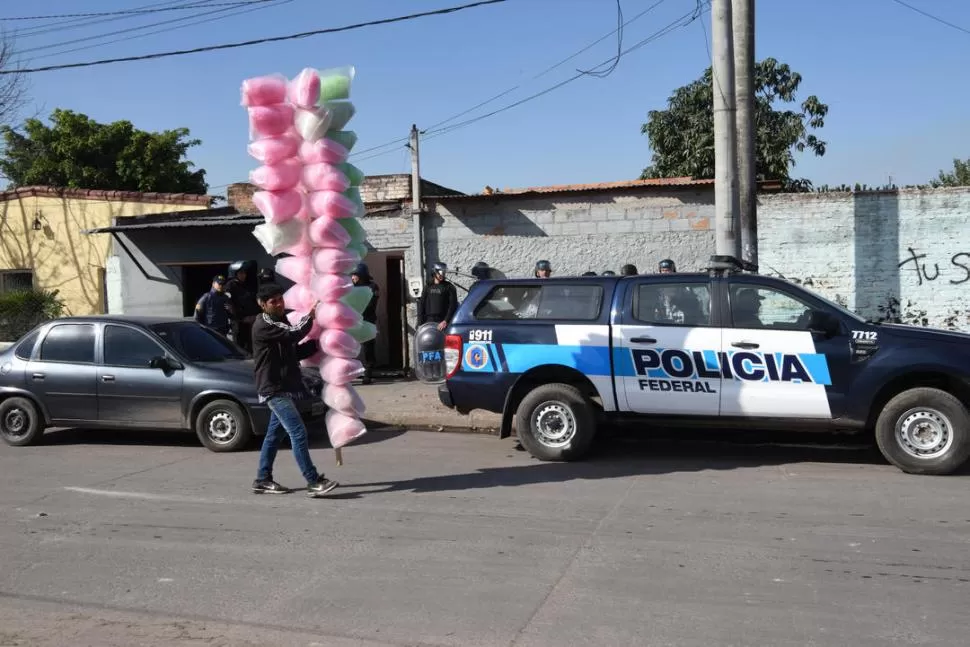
point(959, 176)
point(682, 136)
point(78, 152)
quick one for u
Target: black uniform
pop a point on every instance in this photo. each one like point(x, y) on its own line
point(438, 303)
point(245, 310)
point(213, 310)
point(370, 314)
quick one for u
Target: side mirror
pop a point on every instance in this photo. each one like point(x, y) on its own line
point(824, 323)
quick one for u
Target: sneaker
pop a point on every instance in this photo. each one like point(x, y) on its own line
point(268, 486)
point(321, 486)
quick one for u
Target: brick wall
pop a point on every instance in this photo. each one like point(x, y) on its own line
point(864, 250)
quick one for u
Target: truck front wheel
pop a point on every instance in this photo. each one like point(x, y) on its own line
point(924, 431)
point(555, 422)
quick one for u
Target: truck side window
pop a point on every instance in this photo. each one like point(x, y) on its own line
point(673, 304)
point(561, 302)
point(763, 307)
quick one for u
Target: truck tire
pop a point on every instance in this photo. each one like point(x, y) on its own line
point(924, 431)
point(21, 423)
point(554, 422)
point(223, 426)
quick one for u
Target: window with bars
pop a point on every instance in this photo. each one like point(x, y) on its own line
point(15, 280)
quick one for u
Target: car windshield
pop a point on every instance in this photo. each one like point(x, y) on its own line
point(196, 343)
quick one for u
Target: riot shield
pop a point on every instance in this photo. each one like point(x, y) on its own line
point(429, 354)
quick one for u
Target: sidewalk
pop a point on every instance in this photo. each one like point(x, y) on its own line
point(398, 402)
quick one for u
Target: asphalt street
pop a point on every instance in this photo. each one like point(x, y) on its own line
point(113, 539)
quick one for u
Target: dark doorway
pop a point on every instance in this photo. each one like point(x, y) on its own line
point(394, 286)
point(196, 281)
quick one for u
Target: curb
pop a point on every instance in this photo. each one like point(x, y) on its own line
point(376, 425)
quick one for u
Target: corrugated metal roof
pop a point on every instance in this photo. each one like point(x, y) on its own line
point(579, 188)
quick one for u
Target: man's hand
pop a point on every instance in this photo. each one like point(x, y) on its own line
point(442, 325)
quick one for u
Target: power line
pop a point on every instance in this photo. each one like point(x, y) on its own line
point(126, 11)
point(71, 24)
point(133, 29)
point(167, 29)
point(932, 17)
point(248, 43)
point(689, 17)
point(498, 96)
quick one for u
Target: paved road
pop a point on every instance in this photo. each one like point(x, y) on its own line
point(442, 539)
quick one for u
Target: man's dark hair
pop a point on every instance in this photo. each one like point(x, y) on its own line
point(268, 291)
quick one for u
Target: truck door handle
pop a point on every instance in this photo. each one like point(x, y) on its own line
point(643, 340)
point(38, 376)
point(746, 344)
point(107, 378)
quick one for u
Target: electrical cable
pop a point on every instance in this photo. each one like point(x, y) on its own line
point(236, 11)
point(265, 4)
point(125, 11)
point(249, 43)
point(544, 72)
point(932, 17)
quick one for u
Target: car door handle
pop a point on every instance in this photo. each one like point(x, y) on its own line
point(745, 344)
point(38, 376)
point(643, 340)
point(107, 378)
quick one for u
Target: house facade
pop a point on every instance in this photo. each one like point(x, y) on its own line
point(42, 245)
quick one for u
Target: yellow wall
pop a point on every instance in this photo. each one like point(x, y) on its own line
point(60, 256)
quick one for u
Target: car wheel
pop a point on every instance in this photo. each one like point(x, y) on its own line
point(924, 431)
point(21, 423)
point(554, 422)
point(223, 426)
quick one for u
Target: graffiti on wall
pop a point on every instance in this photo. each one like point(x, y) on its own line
point(956, 270)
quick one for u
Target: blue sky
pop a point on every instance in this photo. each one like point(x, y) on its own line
point(895, 81)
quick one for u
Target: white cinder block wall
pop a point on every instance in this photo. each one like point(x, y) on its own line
point(908, 250)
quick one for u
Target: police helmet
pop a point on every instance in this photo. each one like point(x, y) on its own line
point(667, 265)
point(609, 273)
point(543, 265)
point(439, 268)
point(629, 270)
point(480, 270)
point(236, 267)
point(362, 270)
point(589, 273)
point(266, 275)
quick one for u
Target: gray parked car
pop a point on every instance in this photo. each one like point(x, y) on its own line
point(134, 372)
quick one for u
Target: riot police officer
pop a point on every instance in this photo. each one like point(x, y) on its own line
point(666, 266)
point(362, 278)
point(244, 306)
point(440, 299)
point(543, 269)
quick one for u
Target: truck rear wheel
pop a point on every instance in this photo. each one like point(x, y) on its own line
point(554, 422)
point(924, 431)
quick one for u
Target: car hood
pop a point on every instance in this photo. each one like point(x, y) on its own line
point(926, 334)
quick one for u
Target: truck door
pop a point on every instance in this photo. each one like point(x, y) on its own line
point(666, 347)
point(781, 367)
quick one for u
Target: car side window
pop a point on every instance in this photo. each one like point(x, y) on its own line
point(70, 343)
point(127, 347)
point(561, 302)
point(767, 308)
point(26, 346)
point(673, 304)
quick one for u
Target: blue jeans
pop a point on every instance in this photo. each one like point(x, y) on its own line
point(283, 413)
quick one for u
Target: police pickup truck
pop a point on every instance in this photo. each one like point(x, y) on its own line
point(722, 348)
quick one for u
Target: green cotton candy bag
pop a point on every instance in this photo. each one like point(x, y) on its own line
point(346, 138)
point(353, 227)
point(341, 112)
point(363, 332)
point(335, 82)
point(354, 174)
point(358, 298)
point(360, 248)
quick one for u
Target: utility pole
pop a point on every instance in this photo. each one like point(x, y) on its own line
point(726, 199)
point(418, 240)
point(742, 18)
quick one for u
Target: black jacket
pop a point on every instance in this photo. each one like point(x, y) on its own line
point(213, 310)
point(438, 303)
point(370, 312)
point(277, 352)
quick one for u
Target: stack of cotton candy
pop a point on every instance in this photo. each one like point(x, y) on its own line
point(310, 197)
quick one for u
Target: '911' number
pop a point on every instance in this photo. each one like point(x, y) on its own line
point(480, 335)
